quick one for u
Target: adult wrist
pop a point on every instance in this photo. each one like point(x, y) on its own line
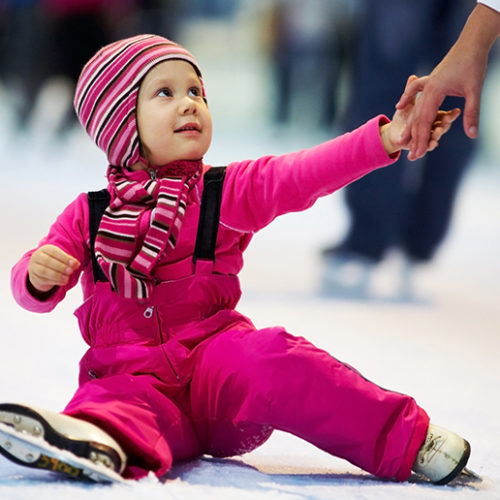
point(482, 27)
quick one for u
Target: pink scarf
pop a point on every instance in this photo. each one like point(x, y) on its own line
point(127, 257)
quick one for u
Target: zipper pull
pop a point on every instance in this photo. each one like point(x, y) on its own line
point(148, 313)
point(152, 174)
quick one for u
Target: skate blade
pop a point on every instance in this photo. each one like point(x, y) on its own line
point(470, 475)
point(39, 454)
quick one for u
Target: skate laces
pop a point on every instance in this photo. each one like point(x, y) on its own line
point(432, 444)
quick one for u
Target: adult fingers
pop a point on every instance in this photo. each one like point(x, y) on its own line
point(423, 116)
point(471, 114)
point(414, 85)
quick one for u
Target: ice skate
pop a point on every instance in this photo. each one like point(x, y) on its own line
point(48, 440)
point(443, 455)
point(346, 275)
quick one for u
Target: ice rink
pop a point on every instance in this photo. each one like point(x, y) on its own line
point(442, 348)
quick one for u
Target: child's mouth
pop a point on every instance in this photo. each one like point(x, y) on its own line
point(189, 127)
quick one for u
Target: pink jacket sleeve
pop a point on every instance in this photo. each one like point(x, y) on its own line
point(70, 233)
point(257, 191)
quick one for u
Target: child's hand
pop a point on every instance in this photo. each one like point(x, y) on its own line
point(49, 266)
point(391, 133)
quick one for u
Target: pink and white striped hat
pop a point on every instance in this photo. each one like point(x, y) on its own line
point(106, 92)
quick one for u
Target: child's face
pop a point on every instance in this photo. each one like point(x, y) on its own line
point(173, 119)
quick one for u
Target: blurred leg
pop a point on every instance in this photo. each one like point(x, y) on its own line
point(393, 39)
point(431, 207)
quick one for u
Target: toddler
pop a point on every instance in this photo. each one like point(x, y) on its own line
point(173, 371)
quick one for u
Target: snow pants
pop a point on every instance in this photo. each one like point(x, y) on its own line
point(224, 393)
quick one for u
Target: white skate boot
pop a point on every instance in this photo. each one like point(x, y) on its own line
point(48, 440)
point(443, 455)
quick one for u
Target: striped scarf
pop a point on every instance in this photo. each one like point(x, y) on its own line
point(128, 258)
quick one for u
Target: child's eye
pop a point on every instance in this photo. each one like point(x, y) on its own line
point(165, 92)
point(194, 92)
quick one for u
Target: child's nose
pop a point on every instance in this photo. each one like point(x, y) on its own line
point(188, 106)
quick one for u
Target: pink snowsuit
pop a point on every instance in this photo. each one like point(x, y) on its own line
point(184, 374)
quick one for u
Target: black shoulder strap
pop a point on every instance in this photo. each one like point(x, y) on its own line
point(208, 224)
point(98, 202)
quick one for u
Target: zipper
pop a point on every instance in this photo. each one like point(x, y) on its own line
point(157, 317)
point(154, 310)
point(152, 174)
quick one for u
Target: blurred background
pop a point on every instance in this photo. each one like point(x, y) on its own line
point(281, 75)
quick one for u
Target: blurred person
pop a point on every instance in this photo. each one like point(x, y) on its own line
point(308, 46)
point(173, 371)
point(460, 73)
point(405, 209)
point(75, 29)
point(212, 8)
point(22, 67)
point(153, 16)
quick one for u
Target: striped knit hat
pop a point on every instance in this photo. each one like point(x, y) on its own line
point(106, 92)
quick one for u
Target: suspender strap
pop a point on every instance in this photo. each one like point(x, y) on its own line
point(98, 202)
point(208, 224)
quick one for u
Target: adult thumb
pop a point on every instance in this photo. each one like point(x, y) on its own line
point(471, 115)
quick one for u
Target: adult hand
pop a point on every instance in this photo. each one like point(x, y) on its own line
point(461, 73)
point(391, 133)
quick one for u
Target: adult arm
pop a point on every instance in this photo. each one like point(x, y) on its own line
point(460, 73)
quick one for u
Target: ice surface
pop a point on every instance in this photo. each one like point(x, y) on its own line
point(442, 349)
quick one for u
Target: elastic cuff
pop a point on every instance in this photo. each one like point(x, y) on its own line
point(416, 441)
point(37, 294)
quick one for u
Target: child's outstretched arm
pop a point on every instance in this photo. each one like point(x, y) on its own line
point(391, 133)
point(49, 267)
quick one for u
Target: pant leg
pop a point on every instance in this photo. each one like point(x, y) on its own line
point(394, 41)
point(247, 383)
point(152, 430)
point(398, 39)
point(431, 206)
point(377, 206)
